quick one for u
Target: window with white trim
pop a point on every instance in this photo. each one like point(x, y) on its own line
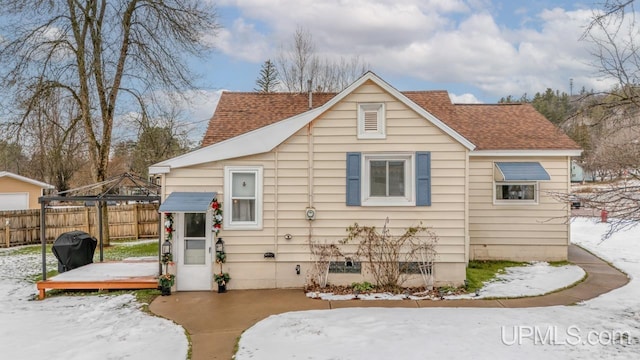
point(243, 198)
point(371, 121)
point(516, 192)
point(388, 179)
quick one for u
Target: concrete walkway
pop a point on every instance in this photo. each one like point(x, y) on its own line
point(215, 321)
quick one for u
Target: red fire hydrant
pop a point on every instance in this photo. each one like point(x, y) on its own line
point(603, 216)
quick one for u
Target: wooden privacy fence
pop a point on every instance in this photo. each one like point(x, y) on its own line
point(22, 227)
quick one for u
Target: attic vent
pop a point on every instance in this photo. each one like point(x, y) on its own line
point(371, 121)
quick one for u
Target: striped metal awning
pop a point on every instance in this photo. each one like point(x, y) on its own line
point(520, 171)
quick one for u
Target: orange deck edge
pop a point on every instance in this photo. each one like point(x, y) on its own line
point(148, 282)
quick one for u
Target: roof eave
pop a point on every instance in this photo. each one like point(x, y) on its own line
point(527, 152)
point(253, 142)
point(26, 179)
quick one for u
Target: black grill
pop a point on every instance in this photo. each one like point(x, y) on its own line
point(74, 249)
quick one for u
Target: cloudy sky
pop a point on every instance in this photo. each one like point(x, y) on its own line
point(478, 50)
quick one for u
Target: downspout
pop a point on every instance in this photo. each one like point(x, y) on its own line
point(310, 174)
point(467, 240)
point(310, 163)
point(275, 215)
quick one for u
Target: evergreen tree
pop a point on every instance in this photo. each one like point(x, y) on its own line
point(554, 106)
point(268, 79)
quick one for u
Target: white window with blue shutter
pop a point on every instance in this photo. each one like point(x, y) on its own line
point(390, 179)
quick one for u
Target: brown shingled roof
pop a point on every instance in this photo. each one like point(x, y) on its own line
point(241, 112)
point(489, 127)
point(509, 127)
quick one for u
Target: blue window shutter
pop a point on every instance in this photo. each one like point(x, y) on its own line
point(423, 178)
point(353, 179)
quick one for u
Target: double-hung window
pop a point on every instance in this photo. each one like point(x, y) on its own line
point(391, 179)
point(243, 197)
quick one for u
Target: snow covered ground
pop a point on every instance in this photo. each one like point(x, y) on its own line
point(607, 327)
point(113, 327)
point(536, 278)
point(77, 327)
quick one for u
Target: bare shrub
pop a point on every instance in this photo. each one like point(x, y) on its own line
point(385, 253)
point(323, 254)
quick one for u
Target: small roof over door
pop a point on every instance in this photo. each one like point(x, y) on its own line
point(187, 202)
point(520, 171)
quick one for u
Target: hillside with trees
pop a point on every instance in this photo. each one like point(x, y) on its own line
point(608, 131)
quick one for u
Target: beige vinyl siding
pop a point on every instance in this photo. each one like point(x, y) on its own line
point(518, 231)
point(324, 144)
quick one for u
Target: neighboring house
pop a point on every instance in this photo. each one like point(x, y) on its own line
point(478, 175)
point(19, 192)
point(578, 174)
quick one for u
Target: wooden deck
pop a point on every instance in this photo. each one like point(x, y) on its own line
point(100, 276)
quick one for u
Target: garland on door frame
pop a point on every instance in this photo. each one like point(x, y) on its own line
point(168, 229)
point(168, 225)
point(217, 216)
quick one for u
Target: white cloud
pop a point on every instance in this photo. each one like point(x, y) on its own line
point(242, 41)
point(435, 41)
point(464, 99)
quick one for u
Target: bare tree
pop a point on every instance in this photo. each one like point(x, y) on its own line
point(109, 56)
point(159, 138)
point(298, 63)
point(613, 34)
point(56, 143)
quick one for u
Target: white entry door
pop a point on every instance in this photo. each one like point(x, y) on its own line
point(194, 252)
